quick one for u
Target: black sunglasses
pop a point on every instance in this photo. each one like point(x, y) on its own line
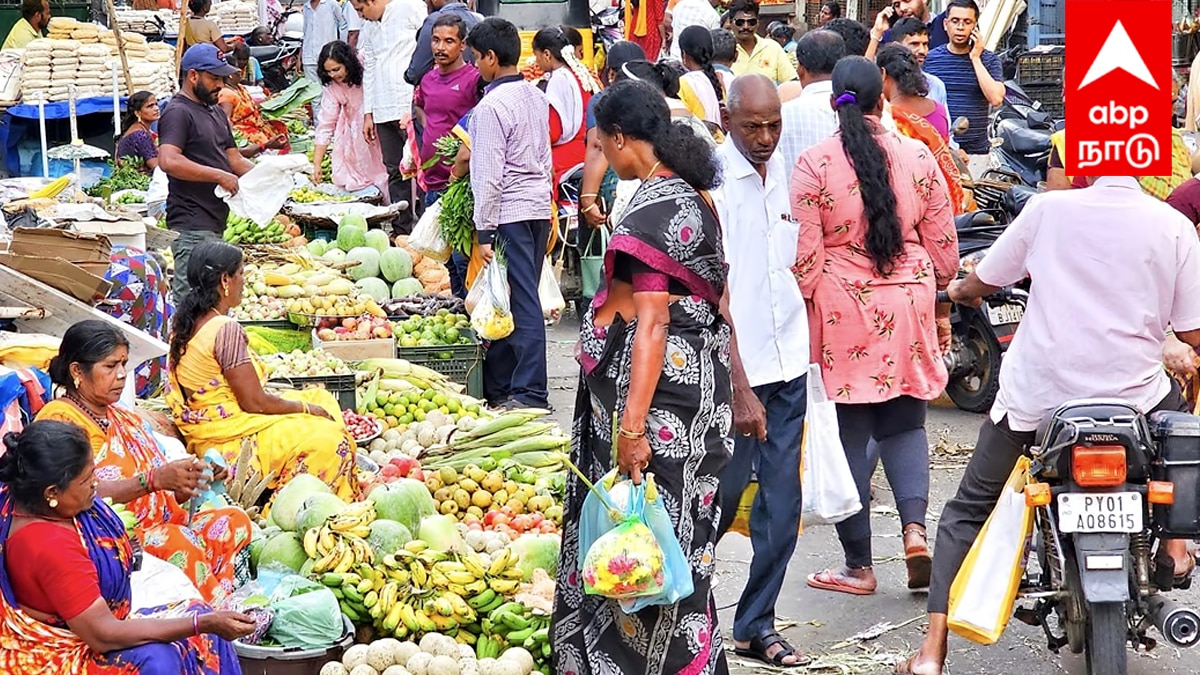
point(745, 22)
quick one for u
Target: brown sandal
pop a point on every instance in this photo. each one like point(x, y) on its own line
point(918, 560)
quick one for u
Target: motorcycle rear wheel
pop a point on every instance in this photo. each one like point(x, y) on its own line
point(1107, 635)
point(976, 391)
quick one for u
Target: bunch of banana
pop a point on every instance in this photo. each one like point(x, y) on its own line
point(514, 625)
point(336, 551)
point(354, 520)
point(128, 519)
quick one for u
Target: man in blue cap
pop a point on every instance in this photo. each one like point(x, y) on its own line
point(198, 153)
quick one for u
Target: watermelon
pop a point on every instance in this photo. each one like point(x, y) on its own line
point(350, 237)
point(375, 287)
point(405, 501)
point(316, 510)
point(378, 240)
point(283, 550)
point(387, 536)
point(291, 498)
point(368, 263)
point(318, 247)
point(335, 255)
point(407, 287)
point(353, 220)
point(395, 264)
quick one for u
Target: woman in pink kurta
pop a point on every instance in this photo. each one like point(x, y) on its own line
point(356, 163)
point(877, 239)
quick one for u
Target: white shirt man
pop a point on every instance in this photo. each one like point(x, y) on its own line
point(808, 119)
point(1141, 270)
point(323, 23)
point(690, 13)
point(386, 47)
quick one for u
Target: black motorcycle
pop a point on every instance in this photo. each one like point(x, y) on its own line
point(1020, 133)
point(279, 58)
point(980, 335)
point(1111, 486)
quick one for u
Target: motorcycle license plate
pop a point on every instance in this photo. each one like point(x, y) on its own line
point(1108, 512)
point(1001, 315)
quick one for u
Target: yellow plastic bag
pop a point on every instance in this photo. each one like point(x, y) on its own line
point(985, 588)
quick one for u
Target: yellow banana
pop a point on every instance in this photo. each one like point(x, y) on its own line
point(438, 579)
point(392, 620)
point(326, 542)
point(500, 562)
point(346, 561)
point(441, 623)
point(358, 510)
point(504, 586)
point(416, 546)
point(420, 577)
point(409, 616)
point(513, 573)
point(458, 589)
point(426, 624)
point(431, 558)
point(370, 599)
point(310, 543)
point(473, 564)
point(476, 587)
point(365, 586)
point(448, 566)
point(401, 576)
point(443, 607)
point(328, 561)
point(463, 577)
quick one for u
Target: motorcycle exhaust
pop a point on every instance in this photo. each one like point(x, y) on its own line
point(1179, 625)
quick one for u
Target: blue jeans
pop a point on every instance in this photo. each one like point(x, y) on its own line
point(775, 515)
point(515, 367)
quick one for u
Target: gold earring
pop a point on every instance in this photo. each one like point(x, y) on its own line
point(52, 502)
point(225, 290)
point(76, 382)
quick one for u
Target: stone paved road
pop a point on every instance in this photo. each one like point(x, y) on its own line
point(823, 620)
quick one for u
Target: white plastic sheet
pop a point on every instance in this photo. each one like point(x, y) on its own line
point(263, 189)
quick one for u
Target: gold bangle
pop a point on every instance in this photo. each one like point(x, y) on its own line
point(588, 194)
point(304, 407)
point(589, 207)
point(632, 435)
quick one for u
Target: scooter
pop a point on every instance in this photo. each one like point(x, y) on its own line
point(1111, 486)
point(280, 58)
point(1020, 133)
point(979, 336)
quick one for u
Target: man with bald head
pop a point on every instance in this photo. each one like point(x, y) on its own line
point(771, 324)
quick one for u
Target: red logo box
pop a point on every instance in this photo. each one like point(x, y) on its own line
point(1117, 88)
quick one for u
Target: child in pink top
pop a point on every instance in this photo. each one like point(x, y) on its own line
point(356, 163)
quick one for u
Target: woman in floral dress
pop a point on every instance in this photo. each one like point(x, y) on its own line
point(877, 239)
point(655, 352)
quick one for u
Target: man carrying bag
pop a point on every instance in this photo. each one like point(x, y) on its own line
point(753, 206)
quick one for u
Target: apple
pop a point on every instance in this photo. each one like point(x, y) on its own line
point(389, 471)
point(349, 323)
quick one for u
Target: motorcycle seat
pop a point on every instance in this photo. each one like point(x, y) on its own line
point(973, 219)
point(1015, 198)
point(265, 52)
point(1026, 141)
point(1054, 430)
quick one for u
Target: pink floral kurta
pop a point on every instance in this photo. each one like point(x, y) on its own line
point(874, 337)
point(356, 163)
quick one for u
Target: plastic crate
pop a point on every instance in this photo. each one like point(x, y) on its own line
point(1050, 96)
point(341, 386)
point(461, 363)
point(1041, 66)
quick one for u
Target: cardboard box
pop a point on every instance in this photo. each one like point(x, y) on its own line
point(131, 233)
point(357, 350)
point(58, 273)
point(64, 244)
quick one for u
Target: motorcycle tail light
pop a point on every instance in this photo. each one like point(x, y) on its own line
point(1037, 494)
point(1098, 465)
point(1160, 492)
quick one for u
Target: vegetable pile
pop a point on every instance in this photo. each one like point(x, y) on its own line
point(128, 175)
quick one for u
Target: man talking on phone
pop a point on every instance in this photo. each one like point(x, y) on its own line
point(973, 76)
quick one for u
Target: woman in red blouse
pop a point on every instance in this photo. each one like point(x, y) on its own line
point(65, 566)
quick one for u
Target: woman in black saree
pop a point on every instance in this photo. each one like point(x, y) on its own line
point(655, 349)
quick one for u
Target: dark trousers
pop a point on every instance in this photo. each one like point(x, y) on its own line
point(897, 427)
point(181, 251)
point(515, 367)
point(995, 454)
point(392, 138)
point(775, 515)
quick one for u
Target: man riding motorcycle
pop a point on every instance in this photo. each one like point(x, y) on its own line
point(1113, 270)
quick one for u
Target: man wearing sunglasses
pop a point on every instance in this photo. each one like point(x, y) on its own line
point(756, 54)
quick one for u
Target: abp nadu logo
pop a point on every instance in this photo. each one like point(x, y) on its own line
point(1117, 88)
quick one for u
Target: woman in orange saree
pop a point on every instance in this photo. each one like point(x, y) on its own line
point(132, 468)
point(918, 117)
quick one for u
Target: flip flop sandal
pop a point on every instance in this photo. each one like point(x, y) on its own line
point(761, 646)
point(1183, 580)
point(828, 580)
point(918, 561)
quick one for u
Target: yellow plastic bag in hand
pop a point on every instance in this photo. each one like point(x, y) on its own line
point(491, 315)
point(985, 589)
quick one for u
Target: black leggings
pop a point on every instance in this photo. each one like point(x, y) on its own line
point(895, 431)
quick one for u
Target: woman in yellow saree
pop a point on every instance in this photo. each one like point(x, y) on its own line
point(918, 117)
point(216, 392)
point(133, 470)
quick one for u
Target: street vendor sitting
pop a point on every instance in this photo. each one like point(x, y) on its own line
point(132, 468)
point(244, 113)
point(216, 390)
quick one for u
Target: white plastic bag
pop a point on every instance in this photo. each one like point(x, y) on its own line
point(491, 316)
point(159, 583)
point(427, 236)
point(549, 293)
point(830, 494)
point(263, 189)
